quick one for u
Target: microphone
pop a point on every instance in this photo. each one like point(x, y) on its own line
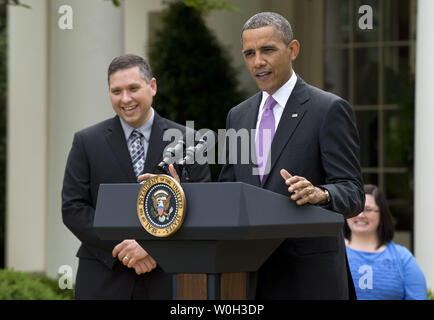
point(201, 146)
point(170, 153)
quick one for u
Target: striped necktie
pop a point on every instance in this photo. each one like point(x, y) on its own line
point(137, 151)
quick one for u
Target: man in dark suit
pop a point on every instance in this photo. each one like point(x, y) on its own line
point(118, 150)
point(313, 158)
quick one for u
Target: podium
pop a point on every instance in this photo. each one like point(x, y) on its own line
point(230, 229)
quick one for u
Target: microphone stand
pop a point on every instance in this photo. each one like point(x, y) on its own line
point(185, 175)
point(163, 169)
point(181, 169)
point(185, 169)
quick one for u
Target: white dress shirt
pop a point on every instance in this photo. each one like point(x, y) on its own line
point(145, 129)
point(281, 96)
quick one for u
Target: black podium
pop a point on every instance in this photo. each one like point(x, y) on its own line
point(229, 229)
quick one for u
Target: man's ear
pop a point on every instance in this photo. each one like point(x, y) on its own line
point(153, 84)
point(294, 45)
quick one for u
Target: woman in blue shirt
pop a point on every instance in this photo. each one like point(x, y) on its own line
point(381, 269)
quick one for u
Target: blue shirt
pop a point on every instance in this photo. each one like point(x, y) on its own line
point(145, 129)
point(392, 274)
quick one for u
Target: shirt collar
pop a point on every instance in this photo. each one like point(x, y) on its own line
point(282, 95)
point(144, 129)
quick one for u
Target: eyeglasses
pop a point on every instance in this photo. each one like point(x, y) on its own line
point(370, 210)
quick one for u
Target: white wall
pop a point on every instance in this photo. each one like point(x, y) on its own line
point(57, 85)
point(78, 97)
point(27, 137)
point(227, 27)
point(137, 25)
point(424, 151)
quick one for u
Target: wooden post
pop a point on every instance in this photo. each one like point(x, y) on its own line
point(194, 286)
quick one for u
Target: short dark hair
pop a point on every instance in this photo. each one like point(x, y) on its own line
point(386, 227)
point(127, 61)
point(264, 19)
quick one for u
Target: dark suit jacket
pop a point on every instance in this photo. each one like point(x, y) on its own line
point(99, 154)
point(316, 138)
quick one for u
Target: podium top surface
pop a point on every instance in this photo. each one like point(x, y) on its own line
point(217, 211)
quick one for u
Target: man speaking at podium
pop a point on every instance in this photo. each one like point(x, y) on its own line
point(118, 150)
point(313, 156)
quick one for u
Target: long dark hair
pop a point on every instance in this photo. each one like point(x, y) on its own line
point(386, 227)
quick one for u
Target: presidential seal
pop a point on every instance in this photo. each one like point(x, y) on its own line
point(161, 205)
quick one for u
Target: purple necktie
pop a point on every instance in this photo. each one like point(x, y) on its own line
point(265, 135)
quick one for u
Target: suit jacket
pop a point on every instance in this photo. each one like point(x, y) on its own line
point(99, 154)
point(317, 139)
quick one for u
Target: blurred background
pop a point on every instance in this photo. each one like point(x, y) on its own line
point(53, 83)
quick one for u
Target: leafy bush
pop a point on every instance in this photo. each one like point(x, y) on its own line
point(17, 285)
point(430, 295)
point(196, 80)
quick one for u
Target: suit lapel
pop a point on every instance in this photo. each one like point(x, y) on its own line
point(156, 144)
point(292, 115)
point(252, 117)
point(116, 139)
point(250, 123)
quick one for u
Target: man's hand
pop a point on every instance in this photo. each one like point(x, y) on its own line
point(304, 191)
point(131, 254)
point(145, 265)
point(142, 178)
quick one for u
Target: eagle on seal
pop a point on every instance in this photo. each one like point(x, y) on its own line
point(161, 201)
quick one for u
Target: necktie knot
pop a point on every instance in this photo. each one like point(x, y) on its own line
point(270, 103)
point(136, 134)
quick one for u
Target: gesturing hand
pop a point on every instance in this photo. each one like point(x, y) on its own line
point(303, 190)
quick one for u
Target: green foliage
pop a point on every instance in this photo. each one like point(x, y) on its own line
point(400, 128)
point(398, 143)
point(194, 76)
point(196, 81)
point(17, 3)
point(430, 294)
point(202, 5)
point(16, 285)
point(116, 3)
point(209, 5)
